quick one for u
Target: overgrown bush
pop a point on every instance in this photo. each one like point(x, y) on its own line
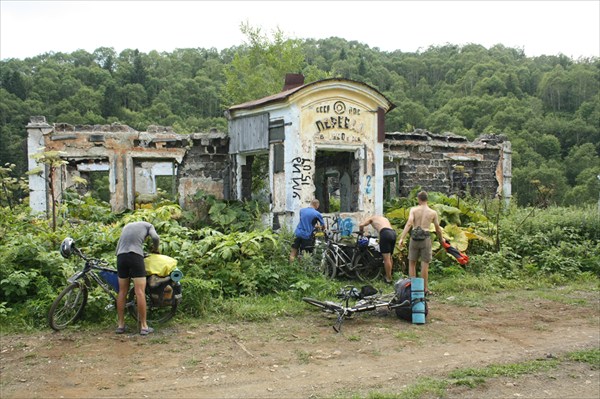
point(233, 270)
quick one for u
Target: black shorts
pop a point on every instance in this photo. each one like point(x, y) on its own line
point(387, 241)
point(131, 265)
point(304, 244)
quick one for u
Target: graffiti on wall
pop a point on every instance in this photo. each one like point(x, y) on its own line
point(346, 226)
point(368, 186)
point(341, 117)
point(301, 175)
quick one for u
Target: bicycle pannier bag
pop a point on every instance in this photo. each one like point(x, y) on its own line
point(111, 278)
point(161, 265)
point(418, 234)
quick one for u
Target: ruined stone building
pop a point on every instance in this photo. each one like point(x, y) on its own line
point(132, 160)
point(322, 140)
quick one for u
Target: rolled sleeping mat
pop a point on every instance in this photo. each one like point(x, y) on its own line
point(417, 299)
point(176, 275)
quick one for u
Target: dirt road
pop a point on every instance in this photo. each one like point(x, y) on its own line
point(305, 358)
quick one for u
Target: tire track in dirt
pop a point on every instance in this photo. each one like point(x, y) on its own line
point(299, 357)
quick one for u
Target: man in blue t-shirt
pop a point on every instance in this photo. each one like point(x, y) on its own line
point(304, 240)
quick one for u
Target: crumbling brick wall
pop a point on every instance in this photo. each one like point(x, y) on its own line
point(445, 163)
point(205, 166)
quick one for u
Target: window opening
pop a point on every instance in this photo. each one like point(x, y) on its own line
point(461, 178)
point(255, 178)
point(390, 184)
point(96, 174)
point(98, 185)
point(155, 179)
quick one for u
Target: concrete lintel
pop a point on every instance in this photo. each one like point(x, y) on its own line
point(176, 154)
point(463, 157)
point(93, 167)
point(57, 137)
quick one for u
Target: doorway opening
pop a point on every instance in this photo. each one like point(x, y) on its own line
point(336, 178)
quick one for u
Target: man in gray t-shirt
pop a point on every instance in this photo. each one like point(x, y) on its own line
point(130, 265)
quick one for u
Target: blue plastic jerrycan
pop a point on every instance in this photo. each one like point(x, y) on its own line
point(417, 299)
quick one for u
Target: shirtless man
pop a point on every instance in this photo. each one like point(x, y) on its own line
point(421, 216)
point(387, 241)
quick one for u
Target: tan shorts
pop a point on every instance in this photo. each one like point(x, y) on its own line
point(420, 249)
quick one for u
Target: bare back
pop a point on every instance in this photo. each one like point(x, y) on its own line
point(378, 223)
point(423, 216)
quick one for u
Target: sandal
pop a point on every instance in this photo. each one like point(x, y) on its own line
point(146, 331)
point(120, 330)
point(428, 293)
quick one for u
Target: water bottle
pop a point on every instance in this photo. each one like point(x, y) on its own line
point(417, 299)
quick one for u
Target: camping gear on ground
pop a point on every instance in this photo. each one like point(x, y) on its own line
point(417, 300)
point(404, 293)
point(461, 258)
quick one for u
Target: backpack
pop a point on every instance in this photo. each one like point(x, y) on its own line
point(403, 293)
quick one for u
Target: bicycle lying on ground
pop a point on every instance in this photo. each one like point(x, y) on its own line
point(368, 299)
point(68, 307)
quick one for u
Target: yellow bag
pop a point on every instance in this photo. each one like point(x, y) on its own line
point(161, 265)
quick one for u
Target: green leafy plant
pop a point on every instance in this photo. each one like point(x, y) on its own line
point(17, 284)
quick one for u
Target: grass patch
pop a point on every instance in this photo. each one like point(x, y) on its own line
point(159, 340)
point(258, 308)
point(472, 377)
point(591, 356)
point(407, 336)
point(425, 387)
point(302, 356)
point(506, 370)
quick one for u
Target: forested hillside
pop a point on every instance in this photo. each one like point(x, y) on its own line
point(548, 106)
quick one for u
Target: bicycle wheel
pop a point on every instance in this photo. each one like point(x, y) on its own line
point(367, 265)
point(328, 266)
point(325, 306)
point(154, 314)
point(68, 306)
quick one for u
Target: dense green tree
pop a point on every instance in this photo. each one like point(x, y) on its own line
point(548, 106)
point(258, 68)
point(581, 157)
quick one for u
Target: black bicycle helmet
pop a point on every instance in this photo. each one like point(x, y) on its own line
point(67, 247)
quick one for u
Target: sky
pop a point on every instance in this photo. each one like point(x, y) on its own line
point(30, 28)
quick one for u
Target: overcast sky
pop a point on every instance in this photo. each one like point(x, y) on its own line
point(30, 28)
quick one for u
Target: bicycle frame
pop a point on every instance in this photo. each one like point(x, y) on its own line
point(369, 303)
point(70, 303)
point(336, 255)
point(89, 272)
point(343, 257)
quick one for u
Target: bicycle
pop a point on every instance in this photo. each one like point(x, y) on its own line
point(368, 299)
point(361, 259)
point(68, 307)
